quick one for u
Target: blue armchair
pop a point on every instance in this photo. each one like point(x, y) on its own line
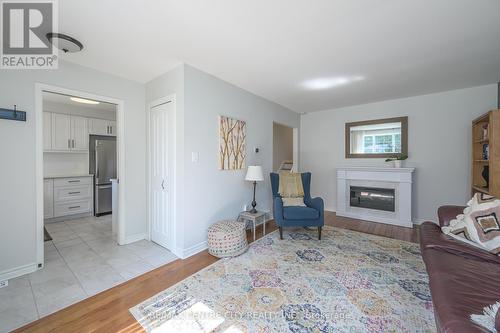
point(297, 216)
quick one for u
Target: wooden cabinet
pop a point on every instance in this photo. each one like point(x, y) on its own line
point(102, 127)
point(486, 154)
point(48, 198)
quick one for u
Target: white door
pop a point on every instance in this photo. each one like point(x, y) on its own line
point(61, 131)
point(79, 133)
point(161, 159)
point(47, 131)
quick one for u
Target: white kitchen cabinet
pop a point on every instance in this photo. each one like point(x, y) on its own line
point(48, 198)
point(102, 127)
point(112, 127)
point(47, 131)
point(61, 132)
point(98, 126)
point(79, 133)
point(68, 196)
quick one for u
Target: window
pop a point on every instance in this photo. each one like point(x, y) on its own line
point(377, 138)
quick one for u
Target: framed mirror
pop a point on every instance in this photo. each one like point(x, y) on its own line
point(379, 138)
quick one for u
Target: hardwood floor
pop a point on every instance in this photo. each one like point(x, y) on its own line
point(108, 311)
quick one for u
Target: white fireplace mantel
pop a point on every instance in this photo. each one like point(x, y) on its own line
point(399, 179)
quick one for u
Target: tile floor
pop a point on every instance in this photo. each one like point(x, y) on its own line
point(81, 260)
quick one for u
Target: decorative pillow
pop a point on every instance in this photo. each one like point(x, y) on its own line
point(298, 201)
point(479, 225)
point(290, 185)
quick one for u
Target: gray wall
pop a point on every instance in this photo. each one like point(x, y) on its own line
point(212, 194)
point(17, 142)
point(439, 144)
point(282, 145)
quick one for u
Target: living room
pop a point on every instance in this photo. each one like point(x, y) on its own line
point(378, 217)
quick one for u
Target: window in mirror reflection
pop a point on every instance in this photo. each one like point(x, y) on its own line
point(376, 138)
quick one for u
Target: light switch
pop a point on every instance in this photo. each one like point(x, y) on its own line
point(194, 157)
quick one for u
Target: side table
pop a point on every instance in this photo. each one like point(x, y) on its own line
point(256, 219)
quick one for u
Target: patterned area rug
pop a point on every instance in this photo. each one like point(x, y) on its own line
point(347, 282)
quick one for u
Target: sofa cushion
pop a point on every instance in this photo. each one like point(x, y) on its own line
point(431, 237)
point(462, 279)
point(300, 213)
point(460, 287)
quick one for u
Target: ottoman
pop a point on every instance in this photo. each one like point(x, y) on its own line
point(227, 238)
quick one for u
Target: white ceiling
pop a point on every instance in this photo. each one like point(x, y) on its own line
point(66, 100)
point(391, 48)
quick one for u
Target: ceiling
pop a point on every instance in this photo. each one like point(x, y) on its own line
point(65, 99)
point(362, 50)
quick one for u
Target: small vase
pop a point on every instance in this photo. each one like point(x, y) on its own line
point(397, 163)
point(486, 175)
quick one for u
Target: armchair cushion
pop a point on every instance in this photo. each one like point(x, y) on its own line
point(300, 213)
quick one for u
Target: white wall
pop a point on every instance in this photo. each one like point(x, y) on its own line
point(17, 142)
point(282, 145)
point(211, 194)
point(439, 144)
point(168, 84)
point(55, 164)
point(204, 193)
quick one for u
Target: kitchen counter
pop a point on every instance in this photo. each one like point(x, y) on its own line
point(67, 176)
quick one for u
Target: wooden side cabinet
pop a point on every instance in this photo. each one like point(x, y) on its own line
point(486, 154)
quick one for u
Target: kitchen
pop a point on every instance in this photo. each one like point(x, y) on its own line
point(79, 157)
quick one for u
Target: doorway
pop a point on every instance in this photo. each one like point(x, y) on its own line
point(65, 121)
point(285, 148)
point(161, 172)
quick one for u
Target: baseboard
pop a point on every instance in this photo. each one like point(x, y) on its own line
point(190, 251)
point(415, 221)
point(134, 238)
point(18, 271)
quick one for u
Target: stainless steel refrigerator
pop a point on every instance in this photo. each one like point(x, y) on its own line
point(102, 164)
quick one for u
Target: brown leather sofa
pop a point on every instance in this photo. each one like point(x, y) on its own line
point(463, 279)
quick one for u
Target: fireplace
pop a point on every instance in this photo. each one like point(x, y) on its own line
point(373, 198)
point(375, 194)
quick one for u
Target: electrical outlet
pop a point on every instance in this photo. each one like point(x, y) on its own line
point(4, 283)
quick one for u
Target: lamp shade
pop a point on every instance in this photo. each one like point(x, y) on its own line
point(254, 173)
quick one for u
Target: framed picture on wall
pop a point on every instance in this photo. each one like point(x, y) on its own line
point(232, 143)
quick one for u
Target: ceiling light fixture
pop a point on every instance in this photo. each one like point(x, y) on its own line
point(330, 82)
point(84, 101)
point(64, 42)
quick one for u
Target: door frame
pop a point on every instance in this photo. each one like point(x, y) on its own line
point(120, 116)
point(169, 98)
point(295, 146)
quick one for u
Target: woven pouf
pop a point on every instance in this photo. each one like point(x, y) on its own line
point(227, 239)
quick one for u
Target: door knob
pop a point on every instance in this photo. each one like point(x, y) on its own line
point(163, 184)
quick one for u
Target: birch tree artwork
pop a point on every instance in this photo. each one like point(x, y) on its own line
point(232, 147)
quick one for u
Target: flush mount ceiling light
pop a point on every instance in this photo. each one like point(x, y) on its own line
point(84, 101)
point(64, 42)
point(330, 82)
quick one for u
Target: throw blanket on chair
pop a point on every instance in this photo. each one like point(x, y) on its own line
point(291, 189)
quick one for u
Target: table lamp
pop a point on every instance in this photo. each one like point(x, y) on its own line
point(254, 174)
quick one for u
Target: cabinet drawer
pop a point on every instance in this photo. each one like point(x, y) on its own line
point(72, 193)
point(74, 207)
point(72, 181)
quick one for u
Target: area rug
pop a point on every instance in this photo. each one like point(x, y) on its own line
point(347, 282)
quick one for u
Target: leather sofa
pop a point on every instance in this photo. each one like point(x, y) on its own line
point(462, 279)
